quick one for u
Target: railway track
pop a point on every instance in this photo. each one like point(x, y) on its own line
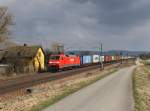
point(31, 80)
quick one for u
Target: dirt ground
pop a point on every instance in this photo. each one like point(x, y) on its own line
point(12, 76)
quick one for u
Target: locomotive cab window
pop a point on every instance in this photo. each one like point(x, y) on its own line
point(54, 57)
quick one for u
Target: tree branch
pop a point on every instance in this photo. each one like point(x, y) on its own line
point(5, 22)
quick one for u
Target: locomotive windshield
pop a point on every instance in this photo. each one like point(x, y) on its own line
point(54, 57)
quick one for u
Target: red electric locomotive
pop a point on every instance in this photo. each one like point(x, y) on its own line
point(62, 61)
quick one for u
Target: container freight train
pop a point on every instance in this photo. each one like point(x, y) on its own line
point(62, 61)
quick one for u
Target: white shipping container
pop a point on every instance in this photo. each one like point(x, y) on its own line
point(102, 58)
point(113, 58)
point(96, 58)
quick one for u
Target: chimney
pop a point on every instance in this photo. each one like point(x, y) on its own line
point(24, 44)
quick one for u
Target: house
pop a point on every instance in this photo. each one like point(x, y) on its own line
point(25, 59)
point(4, 68)
point(2, 53)
point(6, 44)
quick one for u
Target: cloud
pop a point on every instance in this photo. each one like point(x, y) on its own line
point(6, 2)
point(82, 24)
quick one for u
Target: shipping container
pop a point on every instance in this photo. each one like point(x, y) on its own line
point(86, 59)
point(102, 58)
point(107, 58)
point(110, 58)
point(117, 58)
point(113, 58)
point(124, 57)
point(96, 58)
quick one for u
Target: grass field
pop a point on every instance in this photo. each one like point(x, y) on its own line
point(141, 87)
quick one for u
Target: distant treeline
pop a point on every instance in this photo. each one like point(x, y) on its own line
point(145, 56)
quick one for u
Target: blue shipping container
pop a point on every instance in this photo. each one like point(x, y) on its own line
point(86, 59)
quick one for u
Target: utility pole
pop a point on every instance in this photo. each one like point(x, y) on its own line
point(101, 54)
point(127, 56)
point(121, 54)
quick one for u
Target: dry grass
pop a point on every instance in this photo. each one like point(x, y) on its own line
point(141, 86)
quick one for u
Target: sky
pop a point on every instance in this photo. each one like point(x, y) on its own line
point(82, 24)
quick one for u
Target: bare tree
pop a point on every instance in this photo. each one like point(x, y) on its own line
point(5, 22)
